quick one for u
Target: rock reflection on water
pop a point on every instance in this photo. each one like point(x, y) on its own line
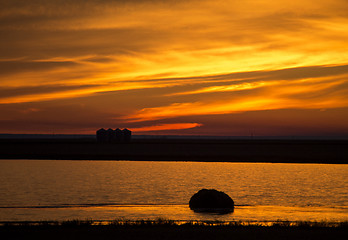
point(214, 211)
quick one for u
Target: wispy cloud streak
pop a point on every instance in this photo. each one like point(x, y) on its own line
point(168, 126)
point(300, 94)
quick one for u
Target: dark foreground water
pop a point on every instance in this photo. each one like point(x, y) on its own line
point(35, 190)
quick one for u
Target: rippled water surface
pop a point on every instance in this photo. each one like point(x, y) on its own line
point(56, 190)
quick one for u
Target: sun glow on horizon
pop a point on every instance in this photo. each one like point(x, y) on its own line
point(168, 126)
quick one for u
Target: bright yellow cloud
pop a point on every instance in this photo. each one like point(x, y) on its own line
point(227, 88)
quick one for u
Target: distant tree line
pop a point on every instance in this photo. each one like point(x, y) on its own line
point(114, 136)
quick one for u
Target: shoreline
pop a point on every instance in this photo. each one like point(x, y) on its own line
point(273, 151)
point(167, 222)
point(166, 229)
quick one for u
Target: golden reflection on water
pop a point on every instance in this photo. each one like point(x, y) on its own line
point(178, 213)
point(107, 190)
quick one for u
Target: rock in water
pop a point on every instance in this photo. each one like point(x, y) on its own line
point(211, 200)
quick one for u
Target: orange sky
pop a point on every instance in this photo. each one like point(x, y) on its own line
point(203, 67)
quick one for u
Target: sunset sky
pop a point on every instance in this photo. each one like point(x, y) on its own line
point(200, 67)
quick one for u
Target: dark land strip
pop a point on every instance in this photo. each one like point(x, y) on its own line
point(168, 230)
point(275, 151)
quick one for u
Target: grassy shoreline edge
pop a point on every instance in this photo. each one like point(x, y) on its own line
point(175, 223)
point(168, 229)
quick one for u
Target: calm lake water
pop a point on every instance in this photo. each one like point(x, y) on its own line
point(34, 190)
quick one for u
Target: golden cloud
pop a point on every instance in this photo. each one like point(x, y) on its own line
point(300, 94)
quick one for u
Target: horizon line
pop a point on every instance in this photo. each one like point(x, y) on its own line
point(164, 136)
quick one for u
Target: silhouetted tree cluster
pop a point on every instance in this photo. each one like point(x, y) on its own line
point(117, 135)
